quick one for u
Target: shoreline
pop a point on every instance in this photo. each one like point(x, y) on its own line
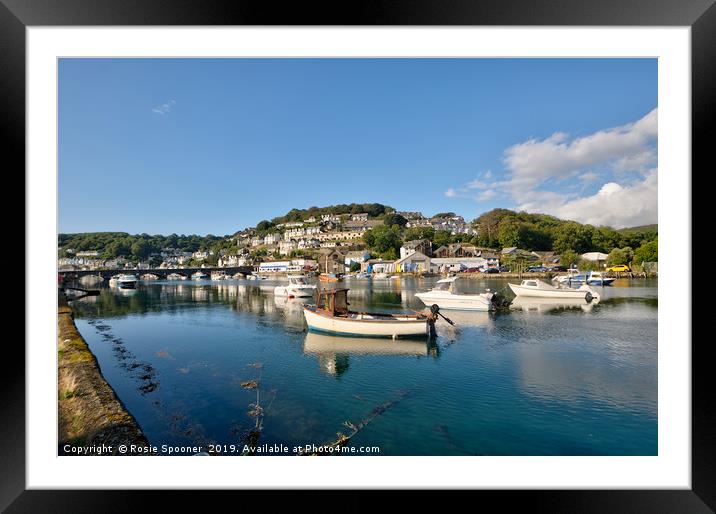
point(90, 415)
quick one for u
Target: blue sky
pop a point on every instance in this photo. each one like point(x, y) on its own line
point(214, 145)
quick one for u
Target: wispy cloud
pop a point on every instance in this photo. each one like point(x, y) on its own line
point(540, 174)
point(165, 108)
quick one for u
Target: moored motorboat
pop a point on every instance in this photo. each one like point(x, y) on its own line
point(445, 296)
point(597, 278)
point(573, 276)
point(199, 276)
point(219, 275)
point(176, 276)
point(331, 315)
point(297, 287)
point(539, 289)
point(124, 281)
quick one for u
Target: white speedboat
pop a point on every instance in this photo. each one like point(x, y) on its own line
point(218, 275)
point(380, 275)
point(176, 276)
point(573, 276)
point(444, 295)
point(539, 289)
point(297, 287)
point(124, 281)
point(199, 276)
point(597, 278)
point(255, 276)
point(331, 315)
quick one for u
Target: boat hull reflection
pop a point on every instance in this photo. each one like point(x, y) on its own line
point(318, 343)
point(545, 305)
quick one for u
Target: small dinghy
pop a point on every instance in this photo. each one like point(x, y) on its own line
point(331, 315)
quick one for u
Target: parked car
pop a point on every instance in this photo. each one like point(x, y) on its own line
point(619, 268)
point(536, 269)
point(504, 269)
point(491, 270)
point(557, 268)
point(472, 270)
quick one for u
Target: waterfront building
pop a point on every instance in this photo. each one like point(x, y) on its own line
point(274, 267)
point(331, 260)
point(356, 256)
point(597, 257)
point(416, 262)
point(417, 245)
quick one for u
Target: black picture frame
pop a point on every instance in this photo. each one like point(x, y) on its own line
point(700, 15)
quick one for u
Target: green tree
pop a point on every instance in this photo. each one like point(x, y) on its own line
point(395, 219)
point(647, 252)
point(620, 256)
point(568, 258)
point(383, 240)
point(355, 266)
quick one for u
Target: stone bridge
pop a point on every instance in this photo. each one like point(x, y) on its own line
point(162, 273)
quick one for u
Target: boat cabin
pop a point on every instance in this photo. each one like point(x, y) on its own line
point(333, 301)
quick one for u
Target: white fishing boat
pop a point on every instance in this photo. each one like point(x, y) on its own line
point(124, 281)
point(445, 296)
point(539, 289)
point(199, 276)
point(331, 315)
point(219, 275)
point(597, 278)
point(573, 276)
point(255, 276)
point(297, 287)
point(380, 276)
point(176, 276)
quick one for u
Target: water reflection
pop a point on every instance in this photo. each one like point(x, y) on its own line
point(333, 351)
point(545, 305)
point(512, 383)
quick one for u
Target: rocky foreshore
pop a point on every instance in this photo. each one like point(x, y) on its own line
point(92, 420)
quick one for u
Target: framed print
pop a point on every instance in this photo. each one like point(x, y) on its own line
point(423, 241)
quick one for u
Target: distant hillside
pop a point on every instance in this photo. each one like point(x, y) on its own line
point(642, 229)
point(374, 210)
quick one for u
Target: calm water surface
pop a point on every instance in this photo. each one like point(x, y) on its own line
point(541, 379)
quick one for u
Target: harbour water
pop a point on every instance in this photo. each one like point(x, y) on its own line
point(541, 379)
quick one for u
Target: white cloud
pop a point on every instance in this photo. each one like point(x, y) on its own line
point(614, 204)
point(164, 108)
point(477, 184)
point(547, 175)
point(588, 177)
point(537, 160)
point(485, 195)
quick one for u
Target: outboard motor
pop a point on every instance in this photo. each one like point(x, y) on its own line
point(499, 301)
